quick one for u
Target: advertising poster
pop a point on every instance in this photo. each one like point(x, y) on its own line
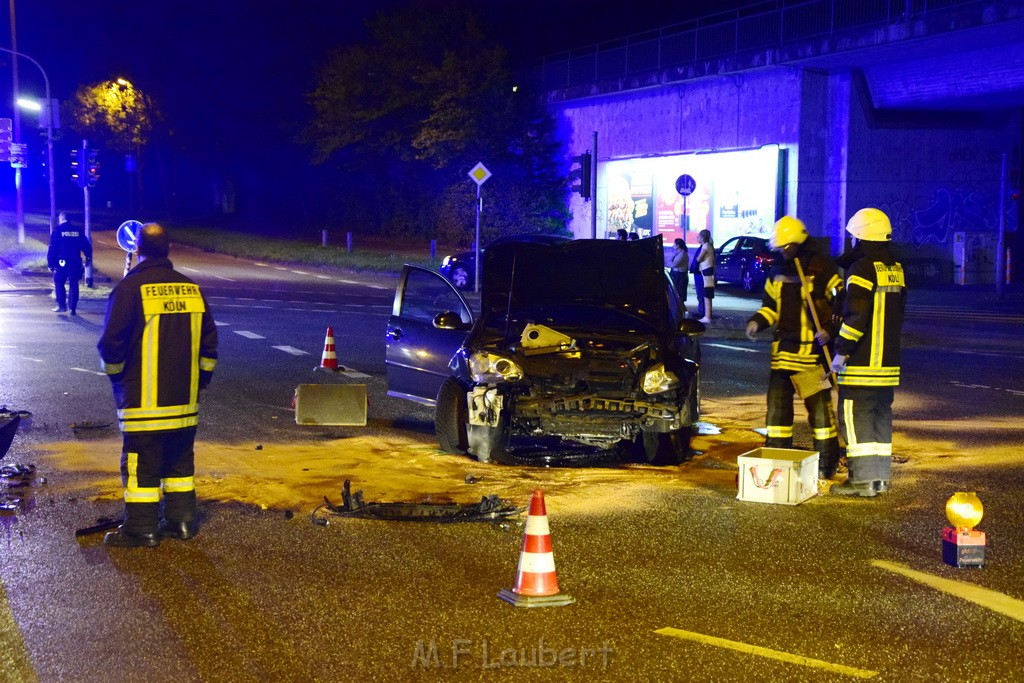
point(735, 194)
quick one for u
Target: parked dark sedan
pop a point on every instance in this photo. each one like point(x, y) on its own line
point(460, 268)
point(744, 261)
point(583, 341)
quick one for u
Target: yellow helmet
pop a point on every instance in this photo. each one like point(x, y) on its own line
point(788, 230)
point(871, 225)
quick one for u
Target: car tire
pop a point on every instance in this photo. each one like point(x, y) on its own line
point(460, 277)
point(450, 417)
point(665, 448)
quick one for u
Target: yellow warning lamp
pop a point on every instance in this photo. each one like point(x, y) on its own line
point(964, 510)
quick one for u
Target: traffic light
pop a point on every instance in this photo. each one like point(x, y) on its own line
point(78, 166)
point(582, 172)
point(93, 167)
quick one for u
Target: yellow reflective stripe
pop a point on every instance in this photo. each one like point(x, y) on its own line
point(196, 320)
point(147, 495)
point(162, 411)
point(207, 364)
point(869, 381)
point(877, 330)
point(780, 432)
point(860, 282)
point(150, 361)
point(178, 484)
point(864, 371)
point(768, 314)
point(111, 368)
point(860, 450)
point(851, 333)
point(851, 430)
point(158, 425)
point(835, 283)
point(773, 288)
point(826, 433)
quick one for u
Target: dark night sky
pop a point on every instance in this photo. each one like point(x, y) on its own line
point(230, 75)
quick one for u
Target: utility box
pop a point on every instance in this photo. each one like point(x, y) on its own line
point(778, 475)
point(331, 404)
point(974, 258)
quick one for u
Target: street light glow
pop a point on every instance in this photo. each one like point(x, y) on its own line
point(31, 105)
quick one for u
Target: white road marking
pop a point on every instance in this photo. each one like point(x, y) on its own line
point(292, 350)
point(766, 652)
point(324, 277)
point(221, 324)
point(731, 348)
point(962, 385)
point(300, 272)
point(91, 372)
point(249, 335)
point(261, 265)
point(993, 600)
point(221, 277)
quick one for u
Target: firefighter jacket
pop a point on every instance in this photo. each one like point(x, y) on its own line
point(872, 317)
point(67, 244)
point(158, 346)
point(784, 305)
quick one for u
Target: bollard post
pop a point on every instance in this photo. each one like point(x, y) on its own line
point(433, 249)
point(323, 238)
point(348, 241)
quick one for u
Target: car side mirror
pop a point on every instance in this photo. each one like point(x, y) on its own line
point(691, 327)
point(449, 320)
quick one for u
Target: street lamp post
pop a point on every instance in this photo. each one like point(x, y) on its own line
point(49, 141)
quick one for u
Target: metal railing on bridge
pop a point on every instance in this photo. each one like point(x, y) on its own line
point(757, 27)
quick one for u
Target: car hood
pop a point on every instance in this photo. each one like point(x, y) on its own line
point(626, 276)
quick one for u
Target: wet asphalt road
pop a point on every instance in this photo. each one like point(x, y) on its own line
point(267, 595)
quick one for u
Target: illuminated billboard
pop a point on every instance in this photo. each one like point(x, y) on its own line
point(736, 194)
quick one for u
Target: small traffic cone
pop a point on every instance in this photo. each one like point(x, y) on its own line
point(329, 360)
point(536, 580)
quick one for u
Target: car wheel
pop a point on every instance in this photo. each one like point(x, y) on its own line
point(747, 279)
point(666, 448)
point(450, 417)
point(460, 277)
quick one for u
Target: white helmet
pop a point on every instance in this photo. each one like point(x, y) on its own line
point(788, 230)
point(870, 225)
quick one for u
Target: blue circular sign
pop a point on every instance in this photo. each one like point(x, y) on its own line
point(685, 185)
point(128, 235)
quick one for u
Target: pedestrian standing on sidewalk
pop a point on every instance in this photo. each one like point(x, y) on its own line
point(703, 269)
point(798, 346)
point(159, 348)
point(677, 265)
point(867, 360)
point(64, 259)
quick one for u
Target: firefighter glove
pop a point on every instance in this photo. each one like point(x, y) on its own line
point(838, 363)
point(751, 330)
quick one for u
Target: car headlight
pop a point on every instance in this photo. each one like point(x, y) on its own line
point(658, 380)
point(489, 368)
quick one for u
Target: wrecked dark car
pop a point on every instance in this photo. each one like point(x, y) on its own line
point(584, 342)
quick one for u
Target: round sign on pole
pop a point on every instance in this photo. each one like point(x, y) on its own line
point(128, 235)
point(685, 185)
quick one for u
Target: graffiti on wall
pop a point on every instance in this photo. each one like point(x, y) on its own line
point(933, 220)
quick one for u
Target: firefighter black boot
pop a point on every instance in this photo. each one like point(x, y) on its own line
point(119, 538)
point(864, 489)
point(179, 530)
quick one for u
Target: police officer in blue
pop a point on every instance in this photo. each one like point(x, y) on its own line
point(64, 258)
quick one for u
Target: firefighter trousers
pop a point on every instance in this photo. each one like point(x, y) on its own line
point(819, 415)
point(152, 462)
point(865, 416)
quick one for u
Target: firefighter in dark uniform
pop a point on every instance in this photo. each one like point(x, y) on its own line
point(159, 348)
point(867, 360)
point(64, 259)
point(797, 346)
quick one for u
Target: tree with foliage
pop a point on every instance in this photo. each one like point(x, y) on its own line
point(114, 114)
point(420, 103)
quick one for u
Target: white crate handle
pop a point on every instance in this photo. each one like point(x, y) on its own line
point(772, 478)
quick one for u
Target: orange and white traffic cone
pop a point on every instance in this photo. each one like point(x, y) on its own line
point(329, 360)
point(536, 579)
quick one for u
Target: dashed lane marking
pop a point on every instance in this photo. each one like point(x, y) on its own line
point(218, 323)
point(300, 272)
point(731, 348)
point(962, 385)
point(249, 335)
point(766, 652)
point(993, 600)
point(91, 372)
point(292, 350)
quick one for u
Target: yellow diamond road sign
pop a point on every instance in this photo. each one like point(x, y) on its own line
point(479, 174)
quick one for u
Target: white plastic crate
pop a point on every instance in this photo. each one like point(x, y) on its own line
point(777, 475)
